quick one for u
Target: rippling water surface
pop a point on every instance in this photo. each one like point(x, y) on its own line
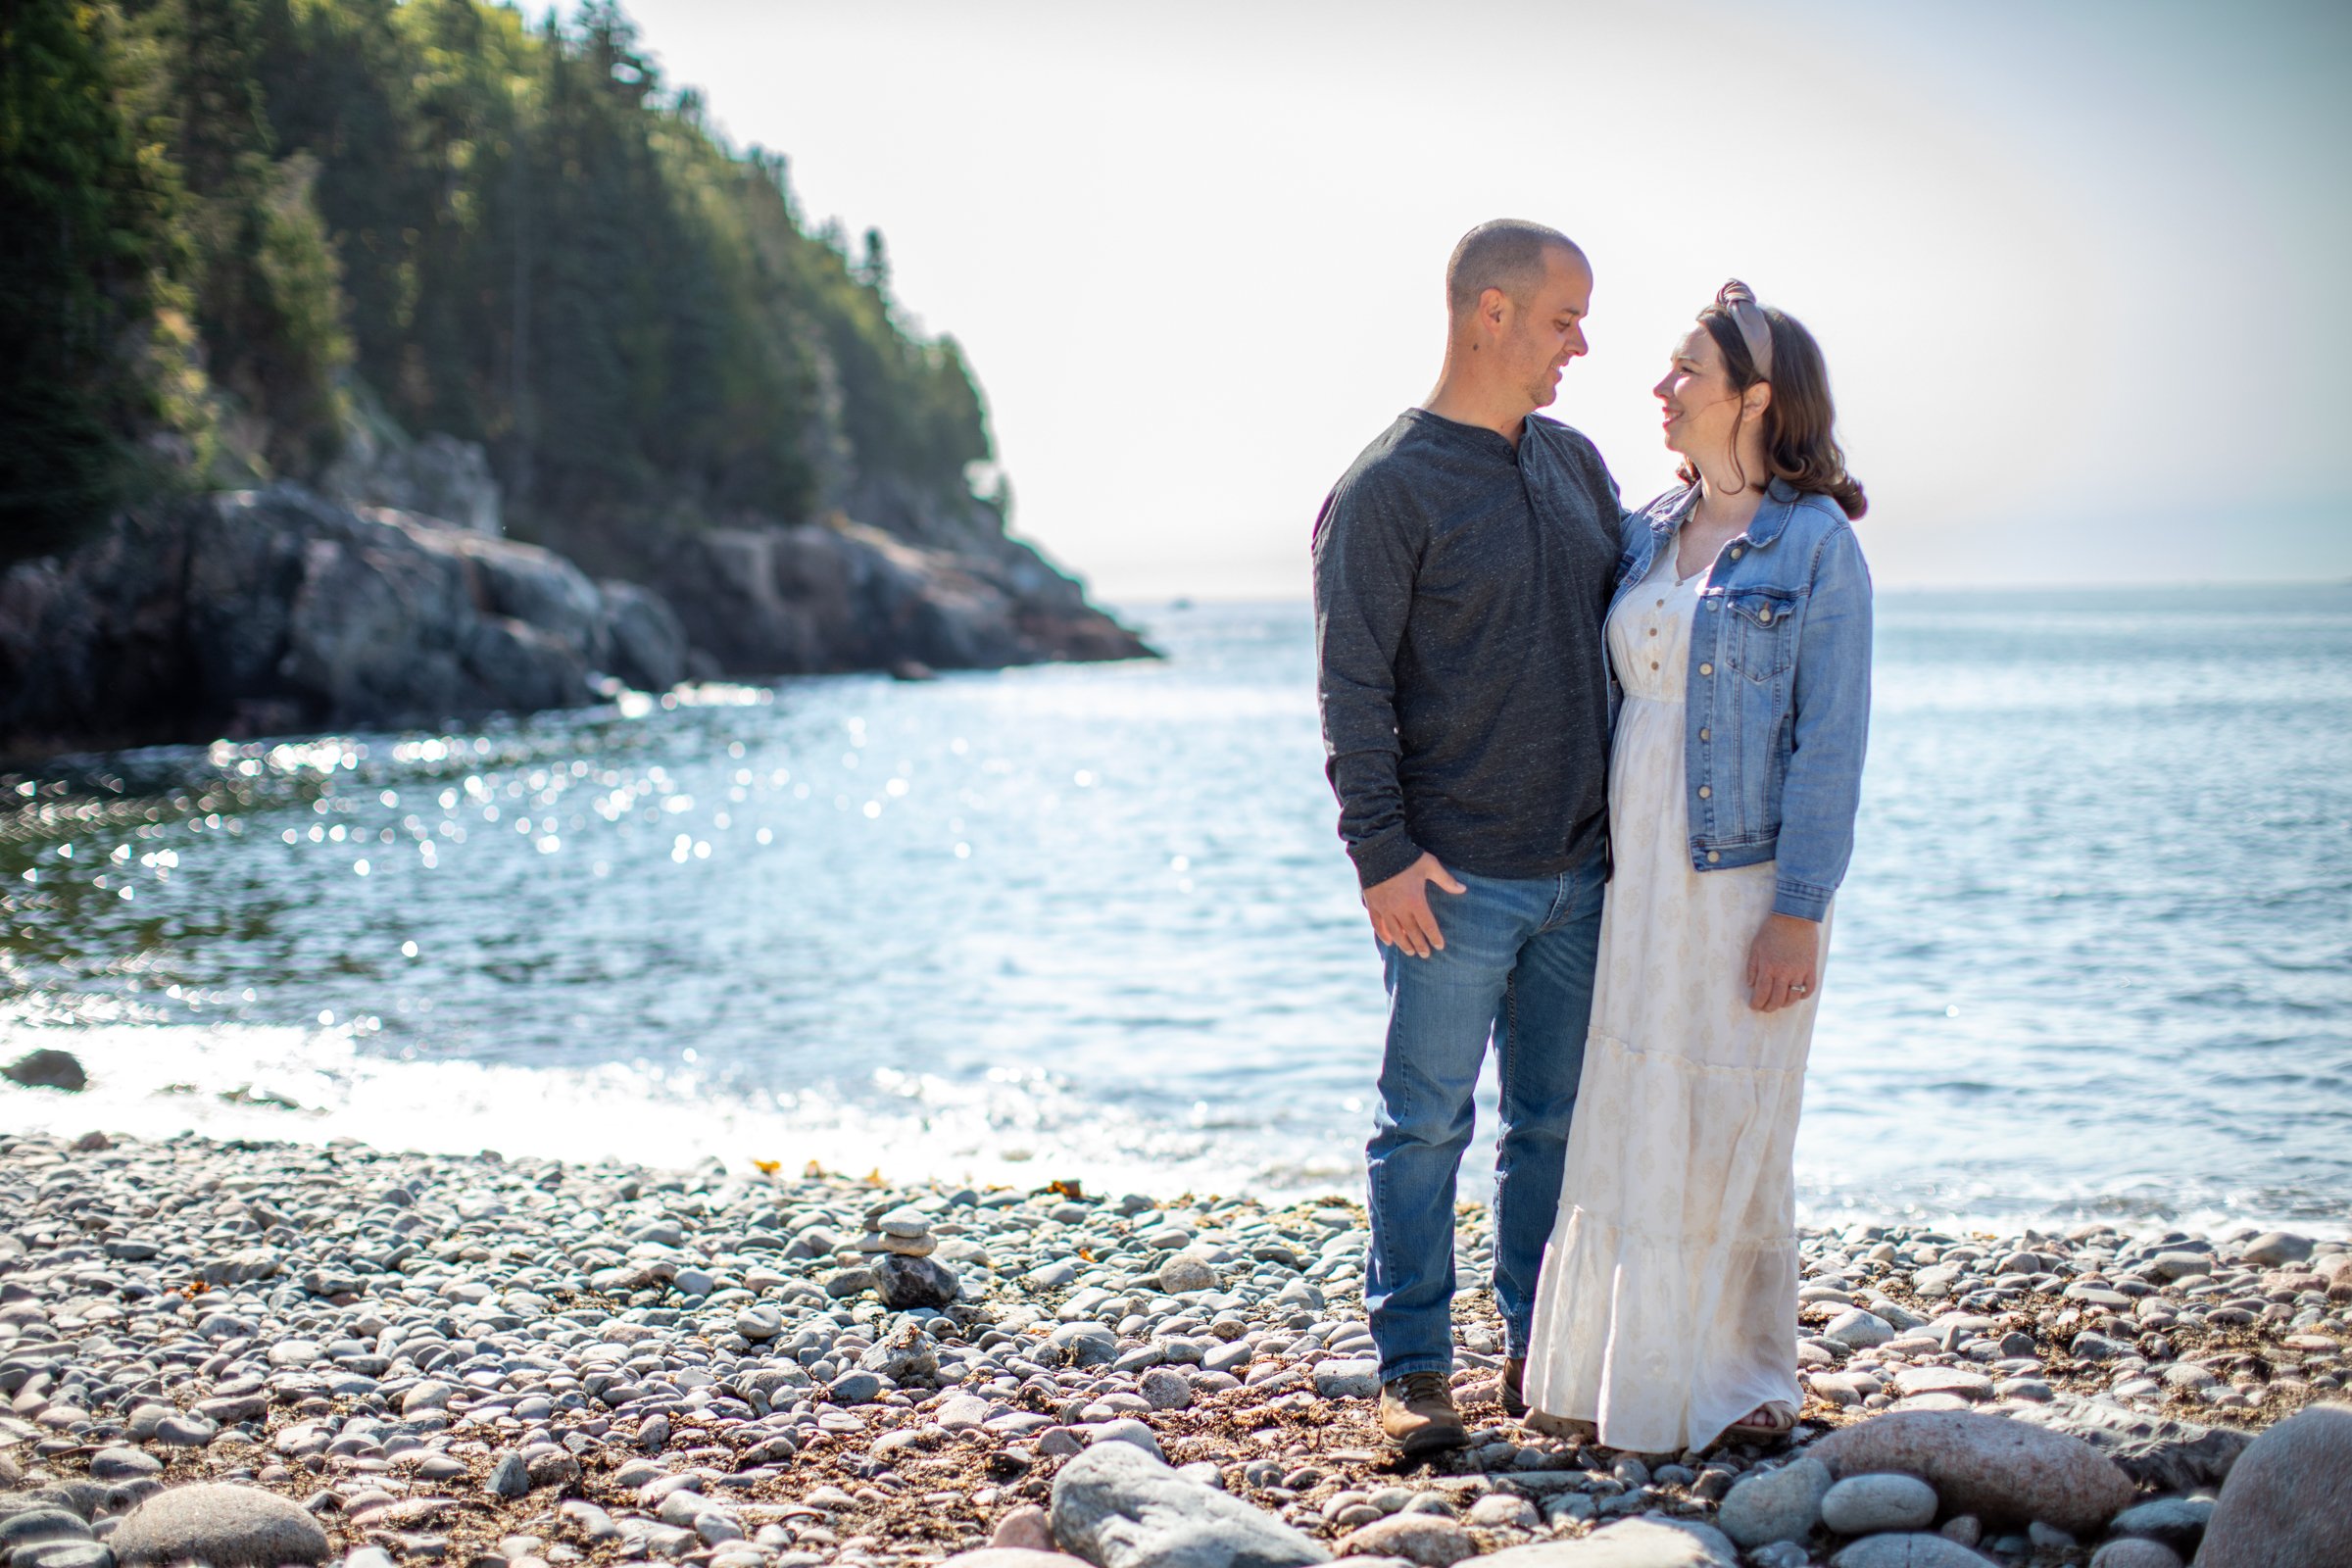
point(2095, 955)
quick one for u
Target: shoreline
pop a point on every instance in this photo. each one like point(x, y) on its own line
point(156, 1078)
point(444, 1356)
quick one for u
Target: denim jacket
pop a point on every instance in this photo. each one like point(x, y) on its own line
point(1778, 707)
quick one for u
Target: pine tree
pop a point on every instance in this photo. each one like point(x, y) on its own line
point(85, 371)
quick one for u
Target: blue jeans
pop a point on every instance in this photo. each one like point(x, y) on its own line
point(1516, 967)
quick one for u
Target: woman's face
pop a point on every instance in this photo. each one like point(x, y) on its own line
point(1696, 397)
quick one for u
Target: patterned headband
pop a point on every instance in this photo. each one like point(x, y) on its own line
point(1738, 302)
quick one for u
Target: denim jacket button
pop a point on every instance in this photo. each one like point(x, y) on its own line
point(1706, 669)
point(1706, 792)
point(1764, 617)
point(1713, 855)
point(1704, 734)
point(1736, 552)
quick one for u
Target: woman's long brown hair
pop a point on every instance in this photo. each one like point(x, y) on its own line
point(1800, 443)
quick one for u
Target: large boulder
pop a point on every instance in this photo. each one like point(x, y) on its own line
point(2003, 1471)
point(1118, 1507)
point(2288, 1501)
point(2159, 1452)
point(224, 1525)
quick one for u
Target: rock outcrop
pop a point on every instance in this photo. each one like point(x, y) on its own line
point(270, 610)
point(438, 476)
point(281, 610)
point(842, 595)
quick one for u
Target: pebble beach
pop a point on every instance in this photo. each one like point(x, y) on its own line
point(280, 1352)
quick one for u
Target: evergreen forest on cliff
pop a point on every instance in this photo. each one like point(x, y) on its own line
point(235, 227)
point(388, 362)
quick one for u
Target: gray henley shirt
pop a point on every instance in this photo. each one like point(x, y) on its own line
point(1460, 589)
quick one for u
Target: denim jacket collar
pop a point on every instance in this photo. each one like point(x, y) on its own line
point(1779, 502)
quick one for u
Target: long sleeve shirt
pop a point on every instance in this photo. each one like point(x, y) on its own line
point(1461, 586)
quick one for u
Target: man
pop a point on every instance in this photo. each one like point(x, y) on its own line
point(1462, 573)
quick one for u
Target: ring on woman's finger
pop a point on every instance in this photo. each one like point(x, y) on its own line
point(1799, 989)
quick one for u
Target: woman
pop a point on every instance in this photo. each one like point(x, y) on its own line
point(1740, 636)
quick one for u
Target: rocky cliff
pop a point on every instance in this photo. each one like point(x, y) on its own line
point(272, 611)
point(278, 609)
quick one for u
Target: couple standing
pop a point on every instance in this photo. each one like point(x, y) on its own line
point(1597, 773)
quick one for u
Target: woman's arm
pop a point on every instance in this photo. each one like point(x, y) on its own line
point(1832, 728)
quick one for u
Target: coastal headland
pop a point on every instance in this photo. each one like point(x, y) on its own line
point(390, 1359)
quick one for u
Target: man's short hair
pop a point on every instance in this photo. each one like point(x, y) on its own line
point(1505, 253)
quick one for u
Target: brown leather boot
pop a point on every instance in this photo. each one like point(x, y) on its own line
point(1514, 1387)
point(1417, 1414)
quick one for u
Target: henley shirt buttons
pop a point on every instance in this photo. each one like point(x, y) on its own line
point(1706, 669)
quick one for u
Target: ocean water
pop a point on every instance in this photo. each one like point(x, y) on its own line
point(2094, 958)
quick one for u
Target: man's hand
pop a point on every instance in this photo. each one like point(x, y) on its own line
point(1400, 907)
point(1784, 964)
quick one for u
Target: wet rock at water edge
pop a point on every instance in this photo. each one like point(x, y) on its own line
point(224, 1525)
point(46, 1068)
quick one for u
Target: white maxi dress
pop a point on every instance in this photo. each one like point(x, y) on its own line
point(1667, 1306)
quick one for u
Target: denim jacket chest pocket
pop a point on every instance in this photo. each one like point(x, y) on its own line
point(1757, 630)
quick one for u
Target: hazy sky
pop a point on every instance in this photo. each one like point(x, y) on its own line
point(2079, 268)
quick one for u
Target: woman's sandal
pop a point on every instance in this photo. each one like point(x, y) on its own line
point(1778, 1420)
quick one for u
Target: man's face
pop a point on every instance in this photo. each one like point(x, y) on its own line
point(1547, 329)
